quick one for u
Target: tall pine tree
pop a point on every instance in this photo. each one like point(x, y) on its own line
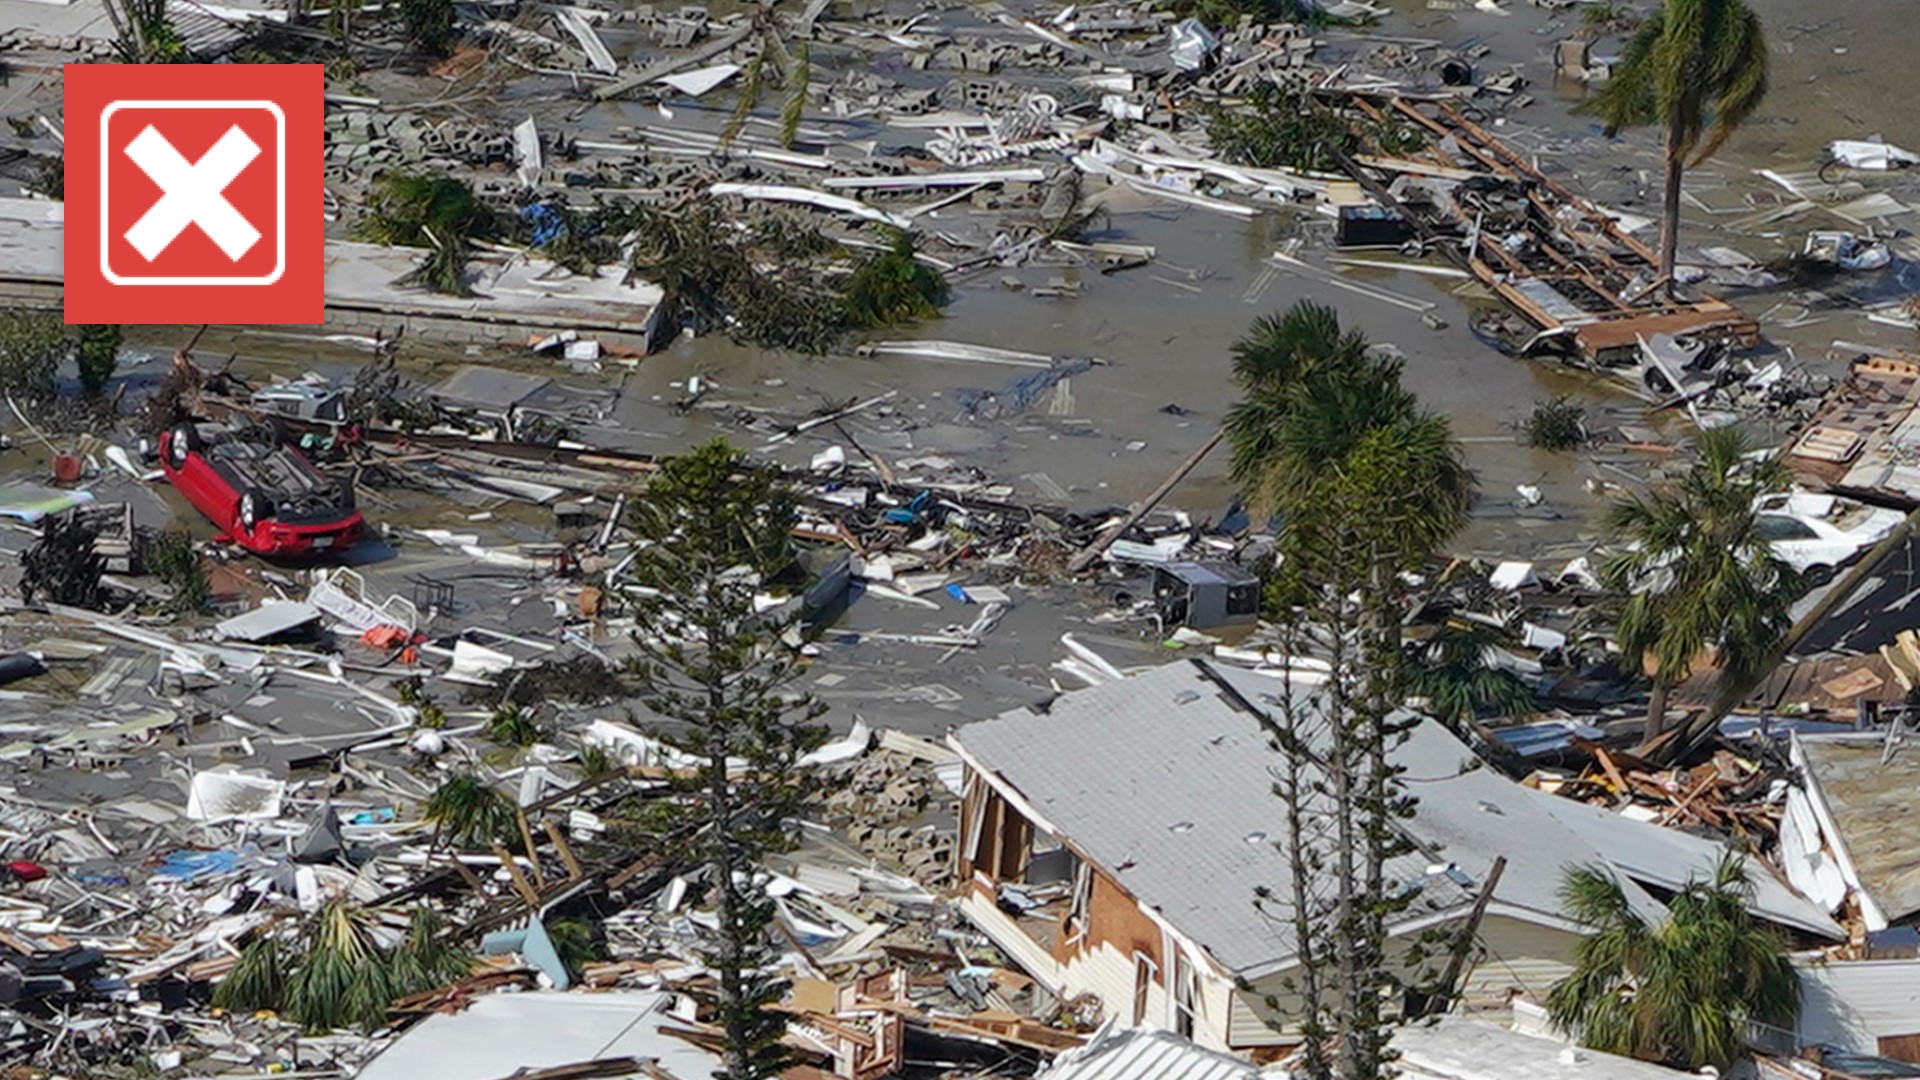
point(714, 534)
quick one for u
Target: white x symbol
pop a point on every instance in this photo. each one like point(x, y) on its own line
point(192, 193)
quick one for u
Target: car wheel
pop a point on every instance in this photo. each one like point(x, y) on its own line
point(182, 440)
point(278, 429)
point(254, 509)
point(1816, 576)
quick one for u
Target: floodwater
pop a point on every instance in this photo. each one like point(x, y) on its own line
point(1164, 330)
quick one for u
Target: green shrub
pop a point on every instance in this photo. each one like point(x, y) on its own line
point(1557, 423)
point(409, 209)
point(174, 558)
point(63, 567)
point(469, 812)
point(32, 344)
point(99, 353)
point(892, 287)
point(513, 725)
point(429, 25)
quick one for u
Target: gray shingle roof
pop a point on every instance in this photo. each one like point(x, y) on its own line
point(1165, 784)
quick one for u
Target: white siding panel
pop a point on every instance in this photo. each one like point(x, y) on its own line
point(1025, 952)
point(1809, 868)
point(1107, 973)
point(1250, 1024)
point(1512, 955)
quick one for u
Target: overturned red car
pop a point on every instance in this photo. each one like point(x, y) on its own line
point(263, 494)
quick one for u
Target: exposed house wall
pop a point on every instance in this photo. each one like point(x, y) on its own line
point(1109, 972)
point(1114, 920)
point(1252, 1024)
point(1511, 957)
point(1102, 942)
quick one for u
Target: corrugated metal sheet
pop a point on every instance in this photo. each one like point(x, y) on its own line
point(1143, 1054)
point(1456, 1048)
point(1853, 1005)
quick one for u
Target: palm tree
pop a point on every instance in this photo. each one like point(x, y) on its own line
point(1366, 485)
point(1363, 472)
point(1327, 436)
point(337, 970)
point(1691, 571)
point(1679, 992)
point(1451, 671)
point(1698, 68)
point(1280, 355)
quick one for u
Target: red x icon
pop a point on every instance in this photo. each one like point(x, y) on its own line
point(193, 194)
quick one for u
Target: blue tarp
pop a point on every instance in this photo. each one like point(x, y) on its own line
point(188, 865)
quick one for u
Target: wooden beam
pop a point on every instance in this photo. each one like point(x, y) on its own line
point(520, 882)
point(533, 853)
point(572, 862)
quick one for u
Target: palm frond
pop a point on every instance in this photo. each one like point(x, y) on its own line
point(1630, 99)
point(469, 812)
point(1737, 76)
point(1681, 992)
point(1451, 670)
point(796, 106)
point(1692, 571)
point(749, 97)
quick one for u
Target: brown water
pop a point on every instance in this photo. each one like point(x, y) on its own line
point(1166, 329)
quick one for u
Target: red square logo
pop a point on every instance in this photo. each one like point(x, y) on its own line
point(194, 193)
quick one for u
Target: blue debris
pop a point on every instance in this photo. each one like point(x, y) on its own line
point(546, 221)
point(1020, 394)
point(186, 865)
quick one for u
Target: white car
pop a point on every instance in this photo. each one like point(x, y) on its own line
point(1816, 534)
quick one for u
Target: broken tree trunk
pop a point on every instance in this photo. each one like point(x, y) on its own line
point(1447, 988)
point(1670, 219)
point(1656, 708)
point(1141, 509)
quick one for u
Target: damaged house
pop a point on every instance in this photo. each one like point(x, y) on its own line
point(1850, 831)
point(1113, 845)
